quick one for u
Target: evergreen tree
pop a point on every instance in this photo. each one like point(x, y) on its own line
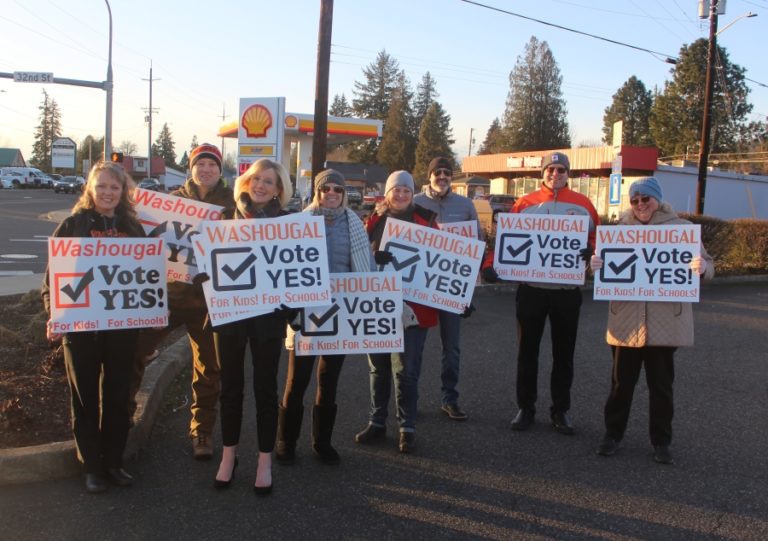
point(164, 146)
point(632, 105)
point(194, 144)
point(535, 117)
point(184, 161)
point(340, 106)
point(677, 112)
point(426, 94)
point(46, 132)
point(372, 100)
point(434, 140)
point(494, 139)
point(396, 150)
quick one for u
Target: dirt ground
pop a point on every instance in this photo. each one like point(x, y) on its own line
point(34, 395)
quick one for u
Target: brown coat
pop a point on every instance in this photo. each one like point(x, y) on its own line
point(636, 323)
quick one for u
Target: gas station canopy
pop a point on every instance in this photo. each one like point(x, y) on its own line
point(340, 129)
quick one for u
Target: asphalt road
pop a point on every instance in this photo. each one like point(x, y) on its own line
point(476, 479)
point(23, 248)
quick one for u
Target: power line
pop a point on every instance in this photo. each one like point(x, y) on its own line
point(667, 57)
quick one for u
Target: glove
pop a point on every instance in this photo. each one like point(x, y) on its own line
point(287, 312)
point(382, 257)
point(596, 263)
point(699, 264)
point(200, 278)
point(586, 253)
point(490, 275)
point(409, 316)
point(468, 311)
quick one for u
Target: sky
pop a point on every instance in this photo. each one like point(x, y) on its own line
point(206, 56)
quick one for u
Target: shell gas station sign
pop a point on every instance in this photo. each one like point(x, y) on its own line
point(260, 131)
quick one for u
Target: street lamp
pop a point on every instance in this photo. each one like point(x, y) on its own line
point(747, 15)
point(108, 88)
point(706, 123)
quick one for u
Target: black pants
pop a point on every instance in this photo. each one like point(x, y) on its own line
point(265, 357)
point(534, 305)
point(660, 376)
point(299, 374)
point(99, 366)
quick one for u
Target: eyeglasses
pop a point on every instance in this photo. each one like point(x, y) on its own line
point(636, 201)
point(558, 170)
point(336, 189)
point(440, 172)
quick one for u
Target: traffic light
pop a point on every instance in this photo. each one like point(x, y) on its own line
point(117, 157)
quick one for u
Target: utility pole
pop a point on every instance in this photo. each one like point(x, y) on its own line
point(706, 123)
point(223, 118)
point(148, 119)
point(470, 141)
point(320, 137)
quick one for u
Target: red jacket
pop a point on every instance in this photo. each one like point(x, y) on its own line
point(547, 201)
point(426, 315)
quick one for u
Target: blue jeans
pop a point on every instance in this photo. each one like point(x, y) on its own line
point(405, 367)
point(450, 335)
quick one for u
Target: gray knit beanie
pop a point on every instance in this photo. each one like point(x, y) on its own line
point(646, 186)
point(399, 178)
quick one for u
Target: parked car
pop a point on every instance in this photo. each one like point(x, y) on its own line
point(27, 176)
point(370, 201)
point(354, 197)
point(69, 184)
point(499, 203)
point(294, 204)
point(11, 179)
point(151, 184)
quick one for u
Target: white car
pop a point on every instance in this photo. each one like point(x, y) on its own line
point(11, 179)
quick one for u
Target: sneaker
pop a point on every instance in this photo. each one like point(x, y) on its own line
point(562, 423)
point(523, 420)
point(454, 412)
point(407, 442)
point(202, 448)
point(662, 455)
point(608, 447)
point(370, 434)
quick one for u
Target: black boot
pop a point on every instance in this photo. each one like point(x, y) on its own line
point(288, 429)
point(323, 419)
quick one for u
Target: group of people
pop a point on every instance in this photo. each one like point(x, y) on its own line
point(105, 368)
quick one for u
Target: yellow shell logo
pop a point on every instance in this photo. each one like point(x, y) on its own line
point(256, 120)
point(291, 121)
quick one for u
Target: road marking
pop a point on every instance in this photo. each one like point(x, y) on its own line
point(16, 273)
point(18, 256)
point(29, 240)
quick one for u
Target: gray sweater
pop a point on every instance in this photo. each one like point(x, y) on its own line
point(449, 208)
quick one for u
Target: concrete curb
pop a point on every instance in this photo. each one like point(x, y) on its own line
point(58, 460)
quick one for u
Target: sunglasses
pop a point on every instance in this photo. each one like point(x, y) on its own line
point(439, 172)
point(636, 201)
point(558, 170)
point(336, 189)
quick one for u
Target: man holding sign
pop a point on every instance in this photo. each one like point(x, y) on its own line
point(646, 332)
point(449, 208)
point(536, 301)
point(188, 308)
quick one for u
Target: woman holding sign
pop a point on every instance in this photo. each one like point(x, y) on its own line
point(99, 364)
point(348, 251)
point(260, 192)
point(647, 334)
point(417, 319)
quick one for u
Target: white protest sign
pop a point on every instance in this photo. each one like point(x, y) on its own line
point(465, 229)
point(541, 247)
point(438, 269)
point(176, 220)
point(256, 265)
point(364, 316)
point(106, 284)
point(648, 262)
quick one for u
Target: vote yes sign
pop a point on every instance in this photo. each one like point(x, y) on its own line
point(648, 263)
point(177, 221)
point(438, 268)
point(364, 316)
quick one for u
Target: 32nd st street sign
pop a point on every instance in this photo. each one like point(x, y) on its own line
point(32, 77)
